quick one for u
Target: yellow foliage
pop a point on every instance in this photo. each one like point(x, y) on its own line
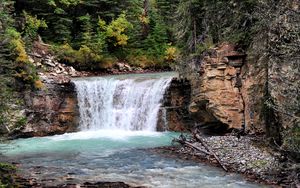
point(171, 54)
point(101, 24)
point(122, 40)
point(86, 55)
point(117, 28)
point(17, 45)
point(142, 61)
point(38, 84)
point(33, 24)
point(144, 19)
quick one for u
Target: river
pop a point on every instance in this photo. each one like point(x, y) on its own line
point(118, 116)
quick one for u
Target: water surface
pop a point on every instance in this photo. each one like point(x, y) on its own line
point(118, 117)
point(108, 155)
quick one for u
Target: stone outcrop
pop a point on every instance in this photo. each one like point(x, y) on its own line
point(216, 89)
point(51, 110)
point(260, 91)
point(174, 114)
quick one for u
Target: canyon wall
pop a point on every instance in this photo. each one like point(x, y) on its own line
point(257, 89)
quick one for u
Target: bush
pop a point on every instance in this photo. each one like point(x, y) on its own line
point(291, 139)
point(65, 53)
point(16, 45)
point(32, 25)
point(115, 30)
point(171, 54)
point(107, 63)
point(85, 56)
point(147, 62)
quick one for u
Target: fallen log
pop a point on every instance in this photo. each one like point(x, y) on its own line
point(207, 151)
point(199, 139)
point(190, 145)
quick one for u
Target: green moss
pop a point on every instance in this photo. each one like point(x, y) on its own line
point(7, 172)
point(258, 164)
point(7, 167)
point(291, 138)
point(21, 122)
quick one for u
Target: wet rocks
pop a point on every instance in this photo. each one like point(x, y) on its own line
point(174, 114)
point(31, 182)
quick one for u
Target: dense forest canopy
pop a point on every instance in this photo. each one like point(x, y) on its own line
point(102, 29)
point(148, 33)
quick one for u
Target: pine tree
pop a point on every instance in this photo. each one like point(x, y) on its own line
point(86, 30)
point(189, 17)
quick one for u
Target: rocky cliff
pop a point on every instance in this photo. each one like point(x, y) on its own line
point(52, 107)
point(50, 110)
point(272, 73)
point(255, 89)
point(217, 97)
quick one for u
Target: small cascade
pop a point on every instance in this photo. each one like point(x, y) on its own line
point(125, 103)
point(164, 118)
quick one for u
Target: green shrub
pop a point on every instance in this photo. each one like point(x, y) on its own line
point(107, 63)
point(21, 122)
point(32, 25)
point(291, 139)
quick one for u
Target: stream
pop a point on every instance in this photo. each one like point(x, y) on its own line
point(118, 116)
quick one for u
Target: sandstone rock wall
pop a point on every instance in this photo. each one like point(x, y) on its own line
point(216, 98)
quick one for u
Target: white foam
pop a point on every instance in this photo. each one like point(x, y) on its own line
point(114, 134)
point(130, 104)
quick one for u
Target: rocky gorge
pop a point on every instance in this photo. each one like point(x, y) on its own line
point(244, 99)
point(188, 103)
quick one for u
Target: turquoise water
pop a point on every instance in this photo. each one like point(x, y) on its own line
point(112, 155)
point(109, 147)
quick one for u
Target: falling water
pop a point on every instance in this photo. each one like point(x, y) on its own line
point(127, 102)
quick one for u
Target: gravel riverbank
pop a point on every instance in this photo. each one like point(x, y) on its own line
point(246, 155)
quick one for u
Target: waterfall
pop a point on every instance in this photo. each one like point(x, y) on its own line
point(121, 102)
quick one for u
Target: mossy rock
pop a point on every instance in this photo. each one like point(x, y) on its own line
point(7, 175)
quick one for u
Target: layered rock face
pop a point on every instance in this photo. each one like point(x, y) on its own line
point(216, 98)
point(51, 110)
point(174, 114)
point(258, 90)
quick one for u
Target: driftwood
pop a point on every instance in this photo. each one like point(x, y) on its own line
point(190, 145)
point(182, 140)
point(199, 139)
